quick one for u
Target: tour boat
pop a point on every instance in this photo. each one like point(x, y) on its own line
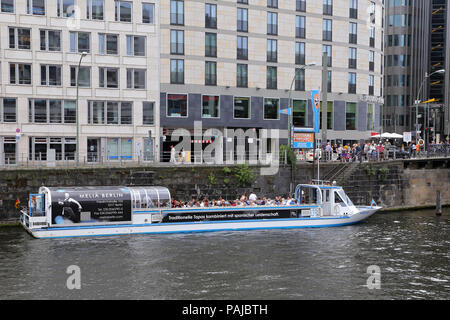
point(58, 212)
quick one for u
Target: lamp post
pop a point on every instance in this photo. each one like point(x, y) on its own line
point(290, 117)
point(77, 155)
point(418, 94)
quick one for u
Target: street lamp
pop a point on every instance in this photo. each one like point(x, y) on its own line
point(418, 94)
point(290, 116)
point(83, 54)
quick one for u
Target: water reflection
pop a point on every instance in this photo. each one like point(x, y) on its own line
point(411, 249)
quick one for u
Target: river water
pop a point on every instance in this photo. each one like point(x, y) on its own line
point(410, 248)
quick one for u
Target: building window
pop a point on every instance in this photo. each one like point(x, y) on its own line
point(110, 112)
point(272, 23)
point(299, 53)
point(50, 75)
point(351, 82)
point(329, 115)
point(177, 105)
point(370, 117)
point(299, 79)
point(51, 111)
point(350, 116)
point(8, 109)
point(326, 48)
point(210, 44)
point(65, 8)
point(372, 37)
point(176, 12)
point(299, 118)
point(108, 77)
point(148, 113)
point(148, 13)
point(328, 7)
point(242, 20)
point(353, 9)
point(327, 27)
point(271, 50)
point(176, 42)
point(371, 85)
point(7, 6)
point(210, 16)
point(329, 81)
point(94, 9)
point(177, 71)
point(136, 78)
point(300, 5)
point(241, 109)
point(20, 38)
point(371, 60)
point(65, 148)
point(242, 1)
point(352, 33)
point(108, 44)
point(36, 7)
point(271, 77)
point(19, 73)
point(80, 41)
point(122, 11)
point(135, 45)
point(50, 40)
point(352, 58)
point(272, 3)
point(242, 76)
point(119, 148)
point(210, 73)
point(271, 109)
point(84, 76)
point(242, 48)
point(210, 107)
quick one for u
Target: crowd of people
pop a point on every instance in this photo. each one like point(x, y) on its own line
point(244, 200)
point(376, 151)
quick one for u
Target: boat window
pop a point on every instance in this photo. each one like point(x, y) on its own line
point(150, 197)
point(345, 197)
point(338, 198)
point(36, 205)
point(308, 195)
point(326, 195)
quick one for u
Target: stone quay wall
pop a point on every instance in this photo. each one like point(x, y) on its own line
point(392, 184)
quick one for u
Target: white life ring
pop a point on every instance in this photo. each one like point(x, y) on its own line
point(337, 209)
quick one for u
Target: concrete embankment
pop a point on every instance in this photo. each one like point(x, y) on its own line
point(392, 184)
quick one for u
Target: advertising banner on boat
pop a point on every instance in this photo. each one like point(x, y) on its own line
point(90, 205)
point(207, 215)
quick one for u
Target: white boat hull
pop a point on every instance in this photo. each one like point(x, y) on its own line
point(202, 226)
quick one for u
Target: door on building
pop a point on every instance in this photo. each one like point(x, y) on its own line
point(93, 148)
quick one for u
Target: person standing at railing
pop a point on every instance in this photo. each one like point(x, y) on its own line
point(172, 154)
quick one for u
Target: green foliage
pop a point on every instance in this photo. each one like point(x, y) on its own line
point(382, 173)
point(226, 170)
point(287, 152)
point(226, 181)
point(244, 175)
point(212, 178)
point(370, 170)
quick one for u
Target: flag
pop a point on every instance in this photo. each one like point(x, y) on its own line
point(17, 204)
point(373, 203)
point(286, 111)
point(315, 101)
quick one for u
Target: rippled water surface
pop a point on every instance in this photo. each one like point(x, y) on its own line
point(411, 248)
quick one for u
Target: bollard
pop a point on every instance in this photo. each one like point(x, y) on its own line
point(438, 203)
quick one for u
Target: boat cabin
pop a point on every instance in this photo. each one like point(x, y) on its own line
point(331, 199)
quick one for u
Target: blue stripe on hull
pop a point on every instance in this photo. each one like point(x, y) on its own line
point(212, 230)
